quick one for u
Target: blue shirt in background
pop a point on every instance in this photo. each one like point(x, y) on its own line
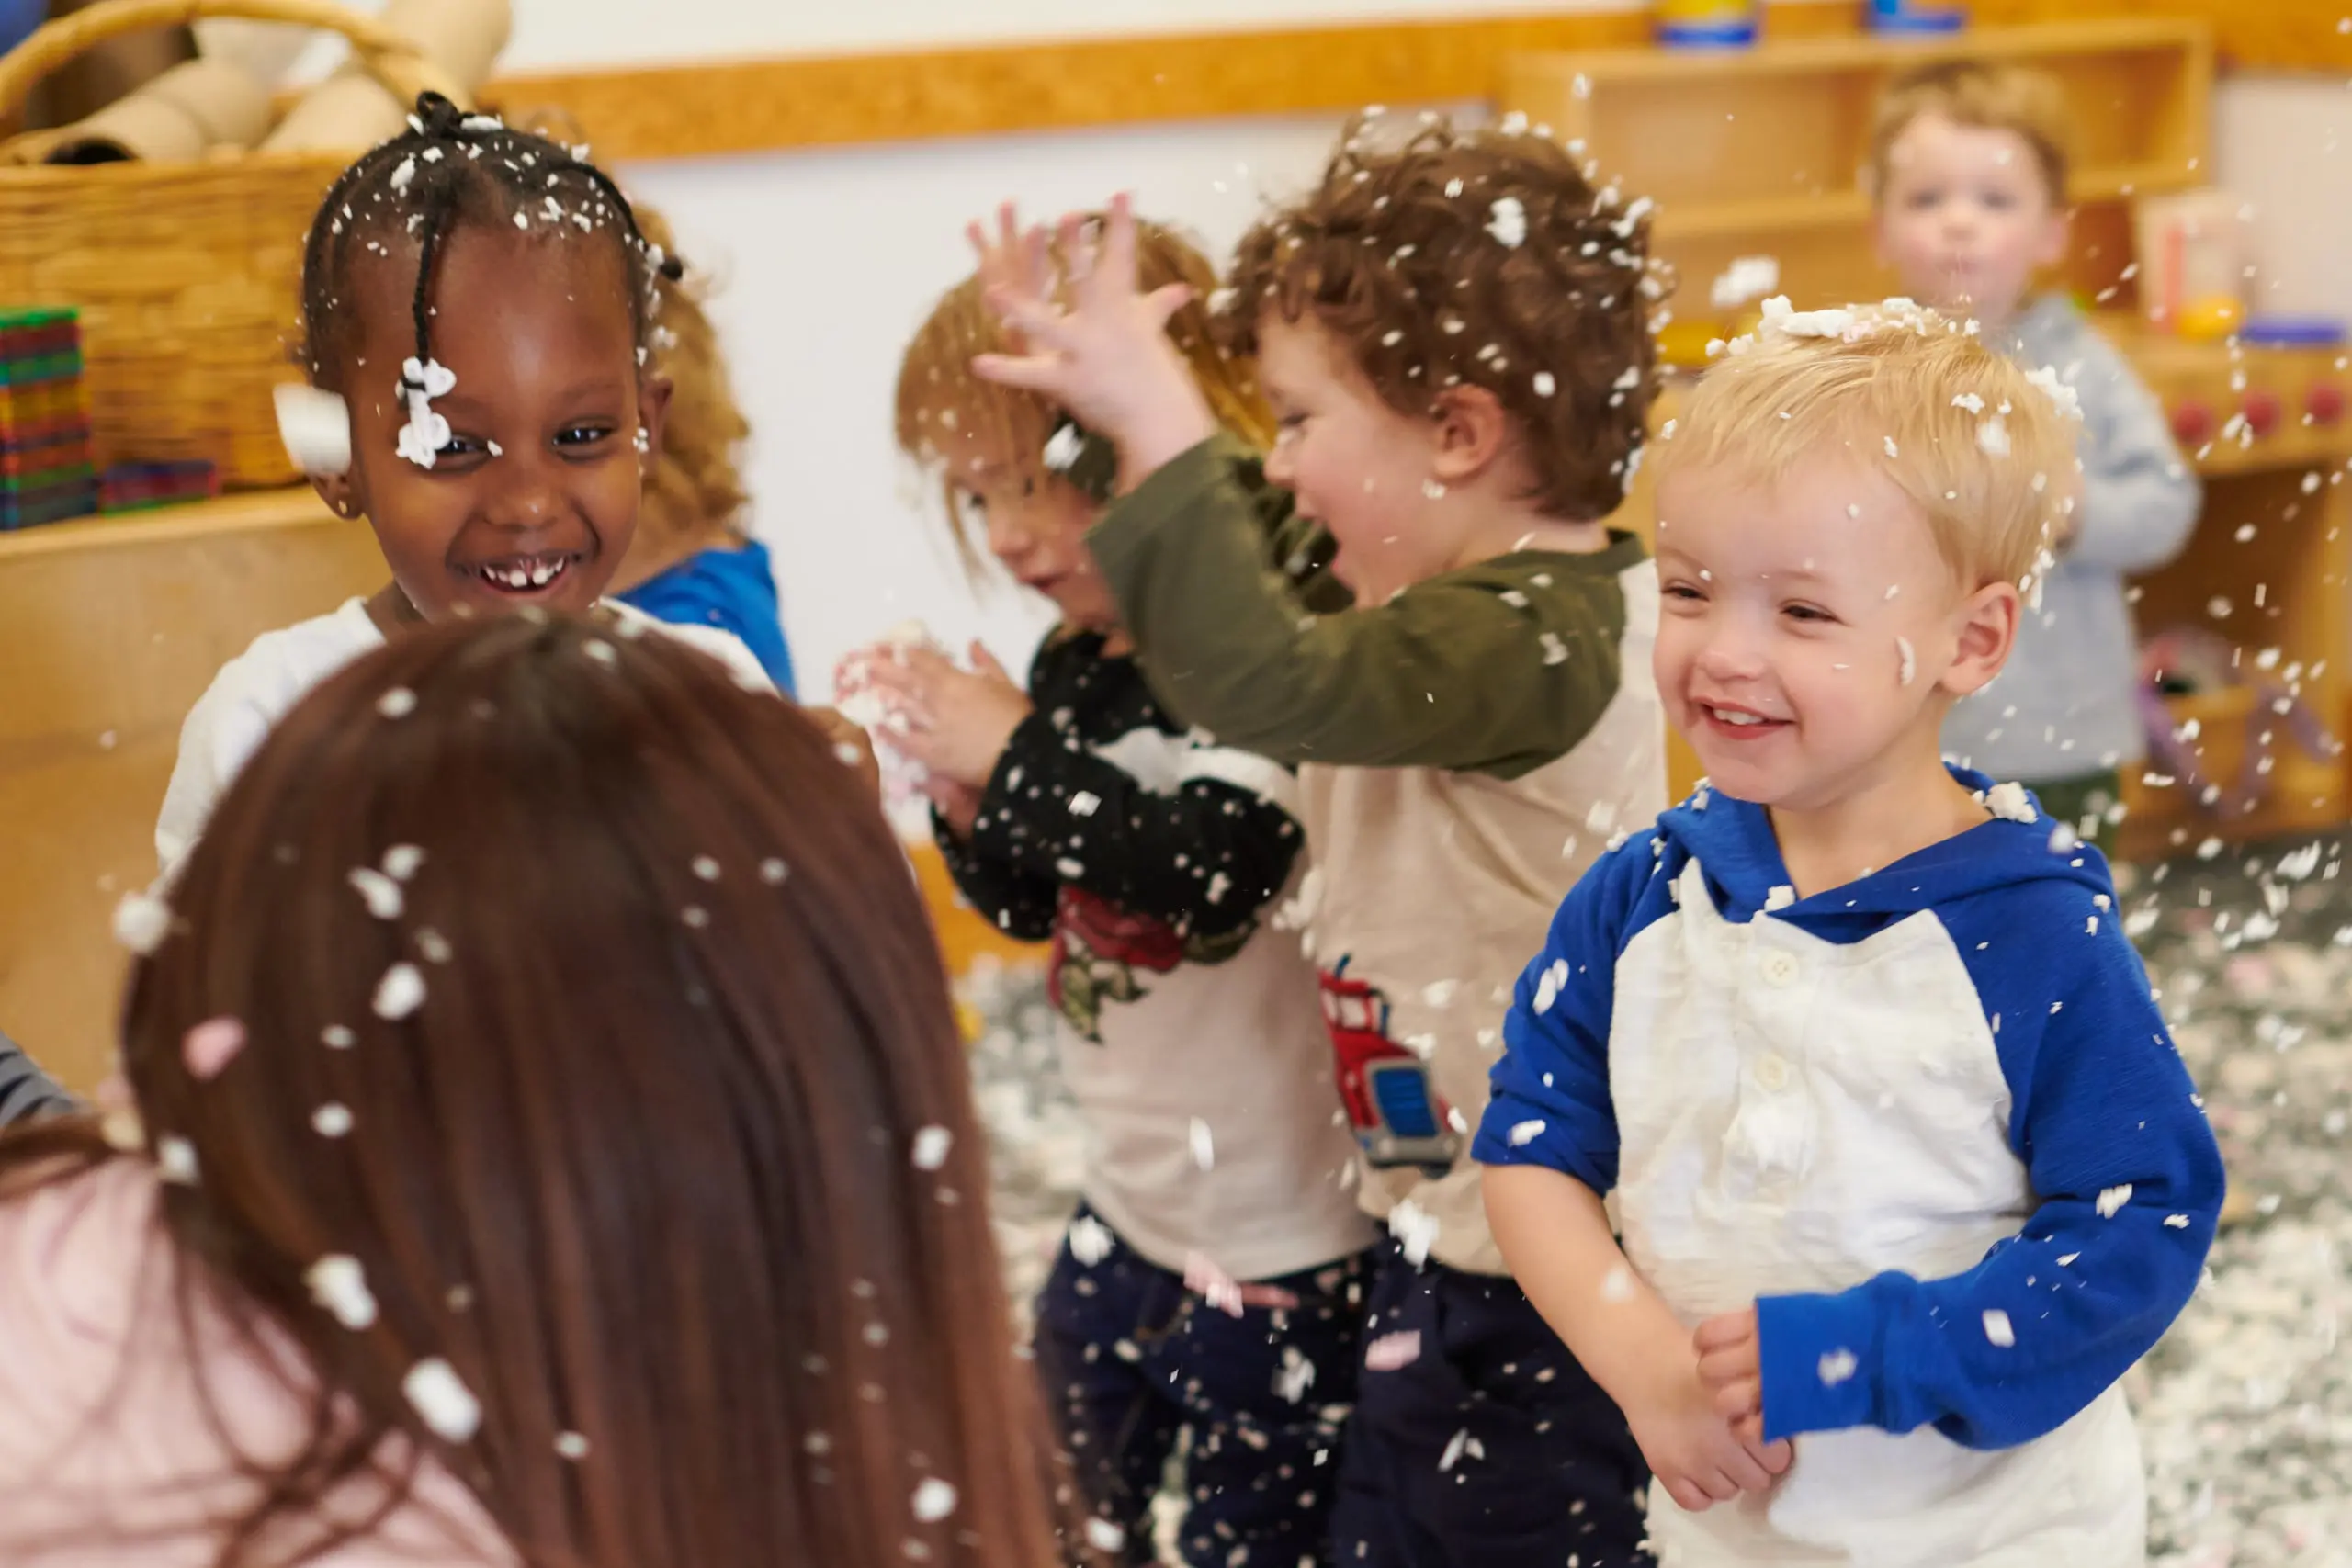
point(732, 589)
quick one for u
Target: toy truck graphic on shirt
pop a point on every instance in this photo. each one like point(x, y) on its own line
point(1398, 1118)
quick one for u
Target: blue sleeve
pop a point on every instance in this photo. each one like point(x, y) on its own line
point(733, 590)
point(2128, 1184)
point(1550, 1103)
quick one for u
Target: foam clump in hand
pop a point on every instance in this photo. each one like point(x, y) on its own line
point(858, 698)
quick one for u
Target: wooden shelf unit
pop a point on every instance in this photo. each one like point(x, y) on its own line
point(1761, 152)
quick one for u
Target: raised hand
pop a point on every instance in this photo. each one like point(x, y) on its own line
point(1105, 358)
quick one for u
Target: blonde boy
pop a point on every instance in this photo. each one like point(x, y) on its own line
point(1853, 1040)
point(1968, 170)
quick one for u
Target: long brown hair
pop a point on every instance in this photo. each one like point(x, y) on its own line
point(675, 1155)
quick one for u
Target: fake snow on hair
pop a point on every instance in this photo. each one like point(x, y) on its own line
point(398, 702)
point(1507, 220)
point(400, 993)
point(1784, 320)
point(933, 1500)
point(931, 1148)
point(331, 1120)
point(1969, 401)
point(422, 438)
point(141, 921)
point(339, 1285)
point(401, 862)
point(176, 1161)
point(380, 893)
point(1544, 385)
point(1909, 668)
point(1062, 451)
point(441, 1397)
point(2050, 381)
point(406, 172)
point(1993, 436)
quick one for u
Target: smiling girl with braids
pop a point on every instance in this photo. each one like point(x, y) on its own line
point(482, 301)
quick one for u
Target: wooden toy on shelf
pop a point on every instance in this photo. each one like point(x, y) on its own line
point(1758, 154)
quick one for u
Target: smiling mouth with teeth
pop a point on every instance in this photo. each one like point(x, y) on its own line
point(524, 574)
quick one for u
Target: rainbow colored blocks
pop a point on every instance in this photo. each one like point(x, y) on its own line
point(47, 471)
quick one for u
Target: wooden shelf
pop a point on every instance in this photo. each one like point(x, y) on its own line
point(245, 513)
point(1764, 217)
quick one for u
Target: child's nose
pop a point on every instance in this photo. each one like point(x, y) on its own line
point(1729, 656)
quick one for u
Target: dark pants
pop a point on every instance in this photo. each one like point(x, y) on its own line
point(2082, 801)
point(1130, 1358)
point(1478, 1441)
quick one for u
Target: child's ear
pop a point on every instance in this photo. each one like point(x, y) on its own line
point(344, 493)
point(1987, 625)
point(652, 413)
point(1471, 431)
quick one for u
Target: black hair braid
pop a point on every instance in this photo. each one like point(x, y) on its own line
point(446, 168)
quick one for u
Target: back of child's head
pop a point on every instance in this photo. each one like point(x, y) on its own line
point(592, 1024)
point(451, 169)
point(1983, 449)
point(1981, 95)
point(1441, 257)
point(949, 419)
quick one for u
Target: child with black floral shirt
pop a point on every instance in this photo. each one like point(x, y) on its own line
point(1212, 1276)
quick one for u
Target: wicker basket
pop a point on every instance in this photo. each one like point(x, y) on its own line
point(186, 274)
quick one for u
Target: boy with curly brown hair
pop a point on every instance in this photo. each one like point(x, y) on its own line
point(1415, 600)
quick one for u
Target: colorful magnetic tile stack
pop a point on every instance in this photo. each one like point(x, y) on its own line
point(142, 487)
point(47, 473)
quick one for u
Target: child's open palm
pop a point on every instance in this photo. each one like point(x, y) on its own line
point(1106, 359)
point(954, 722)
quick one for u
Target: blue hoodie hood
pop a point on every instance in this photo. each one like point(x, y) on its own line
point(1734, 845)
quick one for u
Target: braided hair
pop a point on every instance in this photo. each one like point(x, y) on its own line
point(448, 168)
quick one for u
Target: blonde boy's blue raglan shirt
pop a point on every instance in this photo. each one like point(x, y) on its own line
point(2121, 1181)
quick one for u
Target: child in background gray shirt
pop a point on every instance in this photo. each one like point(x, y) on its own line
point(1969, 176)
point(24, 1090)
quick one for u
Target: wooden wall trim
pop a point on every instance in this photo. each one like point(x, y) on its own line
point(748, 105)
point(696, 110)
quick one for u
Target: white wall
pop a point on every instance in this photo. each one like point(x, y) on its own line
point(2284, 144)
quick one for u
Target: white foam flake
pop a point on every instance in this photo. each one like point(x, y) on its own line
point(931, 1146)
point(141, 921)
point(1507, 220)
point(330, 1120)
point(176, 1160)
point(1836, 1366)
point(1415, 1230)
point(441, 1398)
point(1548, 984)
point(380, 893)
point(1993, 436)
point(402, 861)
point(1525, 1133)
point(1091, 1240)
point(1997, 1329)
point(337, 1282)
point(1617, 1285)
point(2111, 1201)
point(400, 993)
point(2011, 803)
point(1908, 666)
point(1104, 1536)
point(1780, 897)
point(398, 702)
point(933, 1500)
point(1204, 1145)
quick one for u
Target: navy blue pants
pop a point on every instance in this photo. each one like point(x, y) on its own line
point(1130, 1358)
point(1478, 1440)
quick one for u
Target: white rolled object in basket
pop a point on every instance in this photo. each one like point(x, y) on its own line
point(351, 109)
